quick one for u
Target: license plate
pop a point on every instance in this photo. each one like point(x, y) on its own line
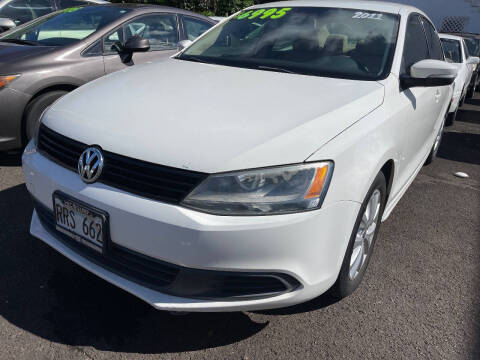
point(80, 221)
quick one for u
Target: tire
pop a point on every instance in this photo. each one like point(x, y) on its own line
point(436, 145)
point(35, 108)
point(350, 277)
point(451, 118)
point(471, 91)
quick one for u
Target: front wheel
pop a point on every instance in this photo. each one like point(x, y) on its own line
point(471, 90)
point(35, 109)
point(362, 240)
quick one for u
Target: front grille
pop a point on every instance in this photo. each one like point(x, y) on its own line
point(173, 279)
point(158, 182)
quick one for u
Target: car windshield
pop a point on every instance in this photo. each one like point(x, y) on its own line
point(64, 27)
point(318, 41)
point(473, 46)
point(451, 48)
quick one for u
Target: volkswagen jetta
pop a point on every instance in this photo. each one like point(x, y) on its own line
point(253, 169)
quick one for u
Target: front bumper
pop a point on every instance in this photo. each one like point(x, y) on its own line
point(12, 105)
point(308, 247)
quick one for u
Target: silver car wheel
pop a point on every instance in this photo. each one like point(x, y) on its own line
point(365, 234)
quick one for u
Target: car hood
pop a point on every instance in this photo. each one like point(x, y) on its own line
point(212, 118)
point(12, 54)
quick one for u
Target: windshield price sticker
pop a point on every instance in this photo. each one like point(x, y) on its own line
point(272, 13)
point(364, 15)
point(72, 9)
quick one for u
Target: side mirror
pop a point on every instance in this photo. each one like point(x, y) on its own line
point(184, 44)
point(6, 24)
point(429, 73)
point(136, 44)
point(473, 60)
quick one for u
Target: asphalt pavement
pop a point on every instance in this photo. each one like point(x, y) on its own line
point(420, 297)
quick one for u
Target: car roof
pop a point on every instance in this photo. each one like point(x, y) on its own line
point(99, 2)
point(451, 37)
point(382, 6)
point(466, 35)
point(147, 8)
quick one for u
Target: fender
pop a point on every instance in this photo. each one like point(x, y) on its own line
point(373, 143)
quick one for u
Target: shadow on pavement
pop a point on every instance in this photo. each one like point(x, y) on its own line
point(468, 116)
point(473, 101)
point(47, 295)
point(10, 159)
point(462, 147)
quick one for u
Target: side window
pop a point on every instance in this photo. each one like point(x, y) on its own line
point(465, 50)
point(416, 47)
point(436, 51)
point(109, 41)
point(161, 30)
point(21, 11)
point(194, 27)
point(452, 50)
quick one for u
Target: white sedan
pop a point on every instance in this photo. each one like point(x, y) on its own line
point(252, 170)
point(456, 52)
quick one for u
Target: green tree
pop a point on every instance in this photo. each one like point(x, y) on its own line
point(207, 7)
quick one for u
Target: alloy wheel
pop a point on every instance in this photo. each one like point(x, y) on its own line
point(365, 234)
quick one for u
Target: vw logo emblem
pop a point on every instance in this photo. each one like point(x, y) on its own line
point(90, 165)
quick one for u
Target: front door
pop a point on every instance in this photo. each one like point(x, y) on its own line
point(418, 105)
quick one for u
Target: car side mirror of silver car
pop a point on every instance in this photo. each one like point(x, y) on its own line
point(429, 73)
point(134, 44)
point(184, 44)
point(6, 24)
point(473, 60)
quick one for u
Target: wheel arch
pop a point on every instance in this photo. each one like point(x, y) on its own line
point(388, 170)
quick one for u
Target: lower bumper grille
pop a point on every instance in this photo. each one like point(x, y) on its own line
point(173, 279)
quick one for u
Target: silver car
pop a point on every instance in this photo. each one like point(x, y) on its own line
point(17, 12)
point(46, 58)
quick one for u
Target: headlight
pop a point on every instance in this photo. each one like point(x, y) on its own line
point(266, 191)
point(7, 79)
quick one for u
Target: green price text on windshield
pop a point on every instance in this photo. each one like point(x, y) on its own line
point(72, 9)
point(272, 13)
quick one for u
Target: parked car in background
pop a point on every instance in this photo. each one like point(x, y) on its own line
point(218, 18)
point(45, 59)
point(456, 52)
point(252, 170)
point(18, 12)
point(473, 46)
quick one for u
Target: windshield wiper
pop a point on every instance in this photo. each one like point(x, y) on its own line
point(19, 41)
point(272, 68)
point(191, 58)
